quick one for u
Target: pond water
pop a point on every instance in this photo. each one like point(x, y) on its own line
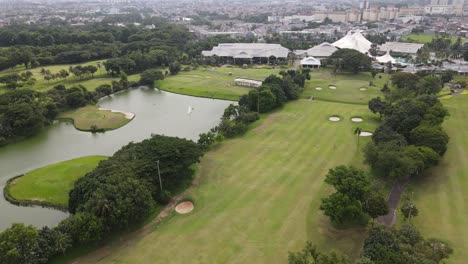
point(156, 112)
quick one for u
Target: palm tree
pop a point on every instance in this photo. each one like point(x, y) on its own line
point(357, 132)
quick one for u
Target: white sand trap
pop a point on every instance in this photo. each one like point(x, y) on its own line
point(357, 119)
point(334, 119)
point(365, 134)
point(332, 87)
point(128, 115)
point(318, 88)
point(363, 89)
point(184, 207)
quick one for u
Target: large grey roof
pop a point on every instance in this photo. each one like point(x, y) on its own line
point(247, 50)
point(323, 50)
point(401, 47)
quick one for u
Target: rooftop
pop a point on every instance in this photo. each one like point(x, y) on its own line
point(401, 47)
point(247, 50)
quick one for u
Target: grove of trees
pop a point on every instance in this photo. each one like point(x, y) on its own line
point(119, 192)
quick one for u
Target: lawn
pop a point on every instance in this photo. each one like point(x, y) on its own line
point(442, 196)
point(85, 118)
point(53, 182)
point(423, 38)
point(348, 86)
point(43, 85)
point(259, 194)
point(213, 82)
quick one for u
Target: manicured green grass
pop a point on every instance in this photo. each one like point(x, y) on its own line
point(213, 82)
point(442, 196)
point(41, 85)
point(347, 85)
point(423, 38)
point(85, 118)
point(259, 194)
point(53, 182)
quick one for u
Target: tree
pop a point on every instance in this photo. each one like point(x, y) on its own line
point(174, 68)
point(349, 181)
point(351, 60)
point(409, 210)
point(261, 99)
point(311, 255)
point(148, 77)
point(404, 80)
point(357, 132)
point(19, 244)
point(341, 208)
point(430, 136)
point(446, 76)
point(376, 205)
point(429, 85)
point(376, 105)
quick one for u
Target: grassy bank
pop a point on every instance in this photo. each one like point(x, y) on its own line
point(91, 118)
point(259, 191)
point(52, 183)
point(442, 196)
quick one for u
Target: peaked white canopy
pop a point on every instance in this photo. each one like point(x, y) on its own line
point(386, 58)
point(354, 40)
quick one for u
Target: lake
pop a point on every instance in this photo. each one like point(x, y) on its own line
point(157, 112)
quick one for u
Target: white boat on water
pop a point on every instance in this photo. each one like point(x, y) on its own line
point(190, 110)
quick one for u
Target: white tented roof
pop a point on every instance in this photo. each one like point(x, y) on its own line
point(247, 50)
point(386, 58)
point(354, 40)
point(323, 50)
point(310, 61)
point(401, 47)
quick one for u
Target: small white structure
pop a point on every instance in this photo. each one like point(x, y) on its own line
point(386, 58)
point(354, 40)
point(310, 62)
point(247, 83)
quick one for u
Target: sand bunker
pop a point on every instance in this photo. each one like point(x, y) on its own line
point(334, 119)
point(357, 119)
point(363, 89)
point(184, 207)
point(332, 87)
point(128, 115)
point(365, 134)
point(318, 88)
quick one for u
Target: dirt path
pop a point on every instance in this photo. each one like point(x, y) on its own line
point(130, 238)
point(393, 201)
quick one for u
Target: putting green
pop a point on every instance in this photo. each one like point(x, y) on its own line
point(259, 194)
point(85, 118)
point(53, 182)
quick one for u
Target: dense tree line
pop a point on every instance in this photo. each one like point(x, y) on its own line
point(382, 246)
point(97, 41)
point(410, 138)
point(119, 192)
point(25, 112)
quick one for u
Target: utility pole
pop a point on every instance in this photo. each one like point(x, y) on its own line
point(159, 173)
point(258, 100)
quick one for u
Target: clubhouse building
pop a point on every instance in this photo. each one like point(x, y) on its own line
point(247, 53)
